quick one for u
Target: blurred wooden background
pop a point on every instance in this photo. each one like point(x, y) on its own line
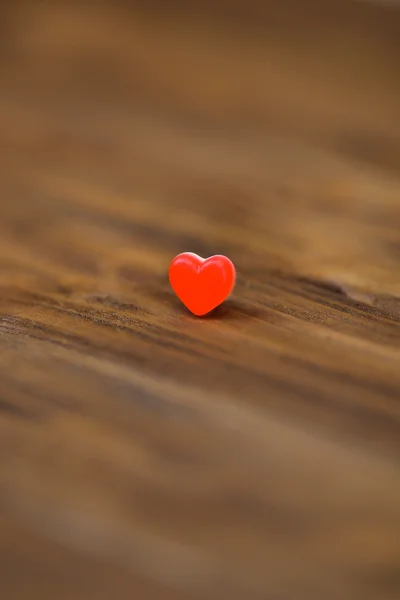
point(252, 455)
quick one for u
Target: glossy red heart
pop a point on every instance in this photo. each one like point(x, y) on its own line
point(201, 284)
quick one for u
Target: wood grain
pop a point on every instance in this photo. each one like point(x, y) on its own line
point(144, 453)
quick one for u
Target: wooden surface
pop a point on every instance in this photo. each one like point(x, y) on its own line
point(144, 453)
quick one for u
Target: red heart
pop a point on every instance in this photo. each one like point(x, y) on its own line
point(201, 284)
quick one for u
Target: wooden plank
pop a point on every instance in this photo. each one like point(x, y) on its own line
point(146, 453)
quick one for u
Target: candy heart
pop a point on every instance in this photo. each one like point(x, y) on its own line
point(201, 284)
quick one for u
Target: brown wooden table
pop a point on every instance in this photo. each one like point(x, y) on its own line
point(144, 453)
